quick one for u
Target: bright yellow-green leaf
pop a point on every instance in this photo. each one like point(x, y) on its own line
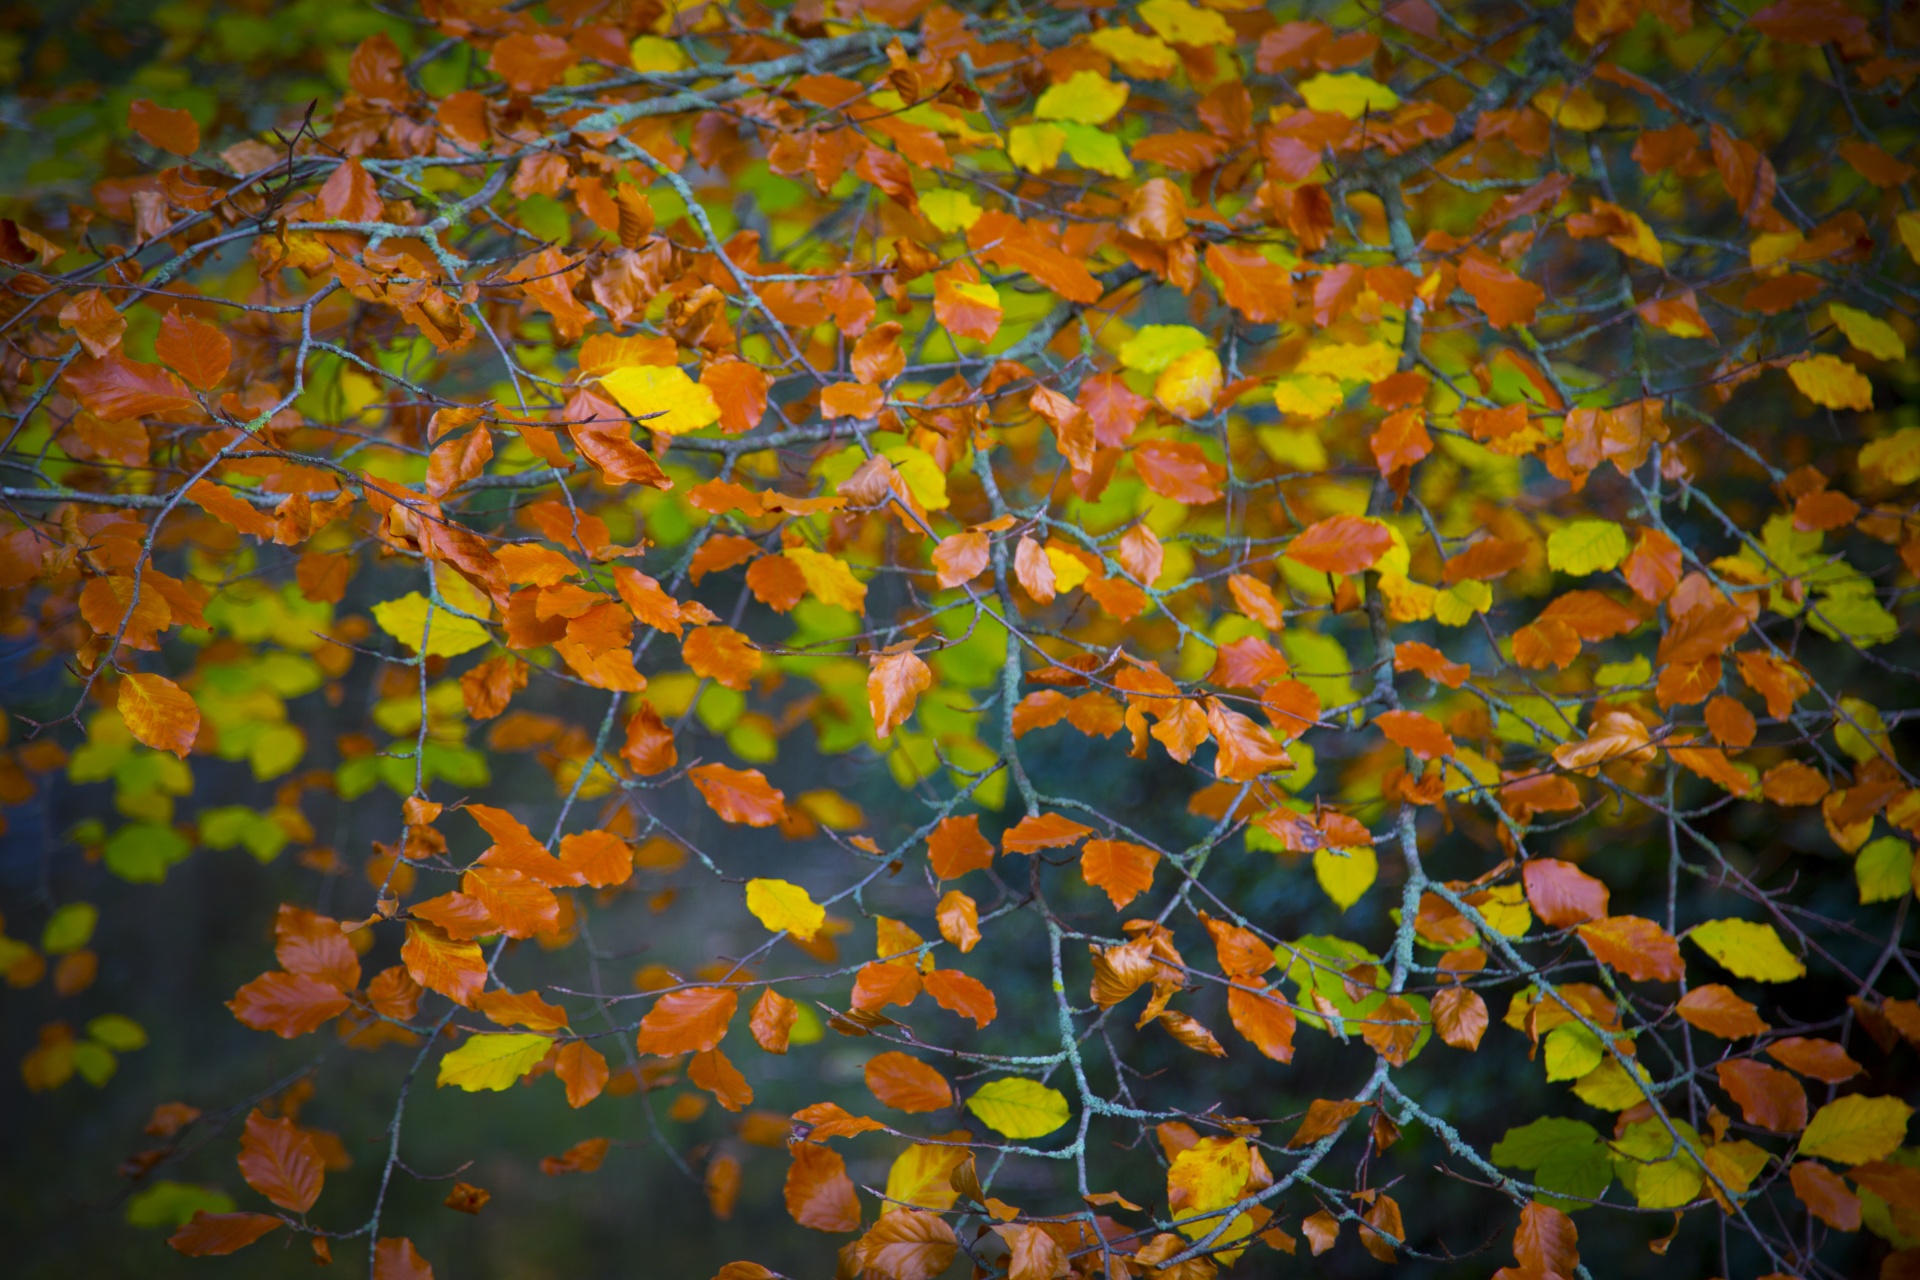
point(69, 928)
point(1609, 1087)
point(1635, 670)
point(1085, 97)
point(1854, 615)
point(1016, 1107)
point(1094, 148)
point(1036, 147)
point(1178, 22)
point(1657, 1175)
point(655, 53)
point(1294, 448)
point(118, 1032)
point(784, 907)
point(1308, 395)
point(1884, 870)
point(951, 211)
point(1351, 361)
point(1831, 381)
point(1456, 606)
point(1572, 1051)
point(492, 1061)
point(1896, 456)
point(1749, 949)
point(1586, 546)
point(1156, 346)
point(682, 404)
point(1875, 337)
point(406, 620)
point(925, 480)
point(1138, 54)
point(829, 578)
point(1348, 94)
point(1861, 731)
point(1346, 874)
point(1856, 1129)
point(1909, 227)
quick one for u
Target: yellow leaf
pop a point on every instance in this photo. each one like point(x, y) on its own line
point(1455, 606)
point(1036, 147)
point(1895, 457)
point(1346, 874)
point(1856, 1129)
point(1086, 97)
point(1748, 949)
point(1587, 546)
point(1069, 571)
point(1506, 910)
point(1309, 395)
point(681, 403)
point(492, 1061)
point(406, 620)
point(1831, 381)
point(654, 53)
point(925, 480)
point(1909, 226)
point(1348, 94)
point(1141, 56)
point(1609, 1087)
point(1188, 385)
point(784, 907)
point(1178, 22)
point(922, 1176)
point(1209, 1175)
point(1574, 109)
point(1351, 361)
point(1016, 1107)
point(1156, 346)
point(950, 211)
point(829, 579)
point(1875, 337)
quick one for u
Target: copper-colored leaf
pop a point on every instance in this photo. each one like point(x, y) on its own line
point(278, 1160)
point(687, 1021)
point(907, 1084)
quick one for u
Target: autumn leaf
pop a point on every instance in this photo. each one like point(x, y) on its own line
point(279, 1161)
point(159, 713)
point(687, 1021)
point(896, 680)
point(785, 908)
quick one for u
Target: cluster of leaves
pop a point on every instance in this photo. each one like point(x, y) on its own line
point(1468, 453)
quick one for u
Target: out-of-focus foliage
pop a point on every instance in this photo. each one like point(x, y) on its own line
point(1070, 640)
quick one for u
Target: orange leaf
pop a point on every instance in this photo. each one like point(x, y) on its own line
point(1418, 733)
point(159, 713)
point(957, 993)
point(288, 1004)
point(1260, 1015)
point(1033, 570)
point(895, 682)
point(1039, 831)
point(1562, 894)
point(1122, 869)
point(456, 970)
point(819, 1192)
point(1546, 1240)
point(1717, 1011)
point(956, 847)
point(1638, 948)
point(395, 1258)
point(907, 1084)
point(600, 858)
point(1400, 441)
point(711, 1070)
point(1460, 1016)
point(1340, 544)
point(222, 504)
point(739, 391)
point(960, 558)
point(583, 1069)
point(1506, 299)
point(1178, 471)
point(584, 1156)
point(213, 1235)
point(195, 349)
point(723, 655)
point(1821, 1060)
point(687, 1021)
point(1825, 1195)
point(959, 918)
point(164, 127)
point(278, 1160)
point(1768, 1097)
point(772, 1019)
point(1411, 655)
point(739, 795)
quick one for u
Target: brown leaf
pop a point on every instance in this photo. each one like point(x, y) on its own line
point(213, 1235)
point(278, 1160)
point(1546, 1240)
point(165, 127)
point(194, 349)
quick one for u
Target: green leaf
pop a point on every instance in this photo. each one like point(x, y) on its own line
point(1884, 870)
point(1096, 149)
point(117, 1031)
point(1856, 1129)
point(1572, 1051)
point(173, 1204)
point(1586, 546)
point(142, 851)
point(69, 928)
point(1855, 616)
point(1582, 1169)
point(1748, 949)
point(1016, 1107)
point(449, 636)
point(1651, 1165)
point(1155, 346)
point(492, 1061)
point(1531, 1145)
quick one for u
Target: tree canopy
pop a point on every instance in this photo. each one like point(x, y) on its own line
point(1088, 639)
